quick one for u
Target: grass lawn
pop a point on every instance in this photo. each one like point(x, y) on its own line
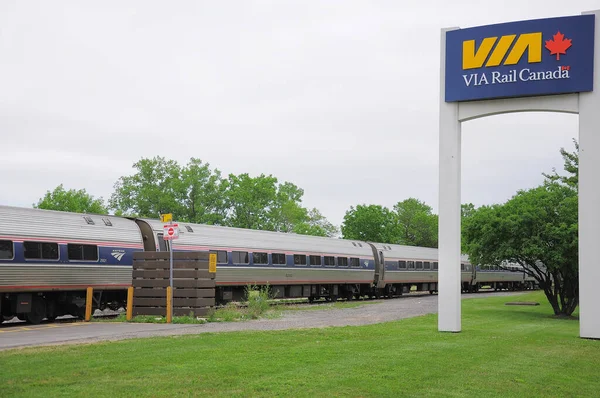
point(506, 351)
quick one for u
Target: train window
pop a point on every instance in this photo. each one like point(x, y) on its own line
point(467, 267)
point(342, 261)
point(221, 256)
point(41, 250)
point(278, 258)
point(82, 252)
point(107, 222)
point(360, 244)
point(354, 244)
point(329, 260)
point(462, 266)
point(402, 264)
point(240, 257)
point(299, 259)
point(188, 228)
point(435, 266)
point(6, 250)
point(88, 220)
point(426, 265)
point(411, 265)
point(314, 260)
point(354, 262)
point(260, 258)
point(419, 265)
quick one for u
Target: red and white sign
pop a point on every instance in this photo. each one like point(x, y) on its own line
point(170, 231)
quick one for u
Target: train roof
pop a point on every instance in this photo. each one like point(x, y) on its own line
point(394, 251)
point(23, 223)
point(212, 236)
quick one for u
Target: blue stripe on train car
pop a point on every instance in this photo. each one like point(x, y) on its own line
point(107, 255)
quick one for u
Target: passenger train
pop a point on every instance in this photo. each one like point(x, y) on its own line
point(49, 258)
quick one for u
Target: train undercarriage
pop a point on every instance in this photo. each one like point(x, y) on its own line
point(35, 307)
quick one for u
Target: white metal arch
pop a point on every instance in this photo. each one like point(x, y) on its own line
point(452, 114)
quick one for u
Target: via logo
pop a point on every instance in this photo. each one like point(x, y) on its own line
point(118, 254)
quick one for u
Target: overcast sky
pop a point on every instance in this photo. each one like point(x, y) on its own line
point(339, 97)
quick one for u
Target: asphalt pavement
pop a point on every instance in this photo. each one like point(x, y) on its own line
point(20, 334)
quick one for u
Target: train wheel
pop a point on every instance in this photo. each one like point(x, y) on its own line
point(38, 311)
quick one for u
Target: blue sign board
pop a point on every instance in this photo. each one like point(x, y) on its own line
point(518, 59)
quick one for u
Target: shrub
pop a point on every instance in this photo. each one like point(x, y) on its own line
point(258, 300)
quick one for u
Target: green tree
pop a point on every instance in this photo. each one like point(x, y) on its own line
point(372, 223)
point(250, 201)
point(192, 193)
point(203, 194)
point(417, 225)
point(77, 201)
point(195, 193)
point(537, 229)
point(286, 211)
point(466, 211)
point(571, 166)
point(151, 191)
point(316, 224)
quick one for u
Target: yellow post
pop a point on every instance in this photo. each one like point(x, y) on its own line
point(129, 303)
point(169, 304)
point(88, 304)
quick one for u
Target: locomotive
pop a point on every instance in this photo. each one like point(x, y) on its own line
point(48, 259)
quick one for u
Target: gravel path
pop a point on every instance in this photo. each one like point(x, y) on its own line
point(383, 311)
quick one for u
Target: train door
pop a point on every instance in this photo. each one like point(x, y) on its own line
point(163, 245)
point(381, 281)
point(147, 235)
point(378, 279)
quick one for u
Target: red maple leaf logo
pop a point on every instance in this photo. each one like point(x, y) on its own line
point(558, 45)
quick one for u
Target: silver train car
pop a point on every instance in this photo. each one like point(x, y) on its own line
point(49, 258)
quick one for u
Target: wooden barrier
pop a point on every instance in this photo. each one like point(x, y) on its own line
point(193, 285)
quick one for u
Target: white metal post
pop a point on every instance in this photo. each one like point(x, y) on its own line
point(589, 200)
point(449, 301)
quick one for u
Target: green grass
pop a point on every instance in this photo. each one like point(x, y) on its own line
point(505, 351)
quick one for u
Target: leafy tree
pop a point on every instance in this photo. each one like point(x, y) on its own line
point(417, 225)
point(286, 211)
point(77, 201)
point(153, 190)
point(571, 166)
point(372, 223)
point(466, 211)
point(203, 194)
point(195, 193)
point(192, 193)
point(250, 201)
point(316, 224)
point(537, 229)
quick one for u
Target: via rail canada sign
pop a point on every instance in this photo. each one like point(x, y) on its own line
point(518, 59)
